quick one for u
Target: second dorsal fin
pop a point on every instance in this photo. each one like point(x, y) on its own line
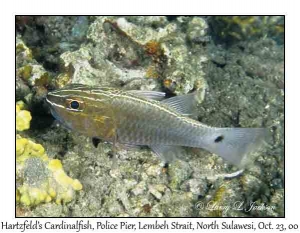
point(184, 104)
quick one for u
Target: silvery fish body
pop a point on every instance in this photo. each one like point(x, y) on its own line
point(147, 118)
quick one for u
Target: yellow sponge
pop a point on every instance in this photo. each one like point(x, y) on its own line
point(23, 117)
point(43, 179)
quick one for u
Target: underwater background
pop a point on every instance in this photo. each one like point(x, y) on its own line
point(237, 62)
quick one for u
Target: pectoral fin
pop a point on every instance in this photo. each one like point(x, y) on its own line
point(100, 122)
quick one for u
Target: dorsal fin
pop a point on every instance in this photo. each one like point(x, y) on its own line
point(184, 104)
point(154, 95)
point(75, 85)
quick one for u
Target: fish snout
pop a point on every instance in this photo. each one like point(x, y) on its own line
point(55, 100)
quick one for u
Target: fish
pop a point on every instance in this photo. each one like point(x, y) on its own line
point(148, 118)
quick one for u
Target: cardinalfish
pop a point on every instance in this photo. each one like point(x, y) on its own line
point(148, 118)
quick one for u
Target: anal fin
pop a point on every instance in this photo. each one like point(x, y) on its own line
point(127, 146)
point(169, 153)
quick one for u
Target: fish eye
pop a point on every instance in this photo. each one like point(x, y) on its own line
point(74, 104)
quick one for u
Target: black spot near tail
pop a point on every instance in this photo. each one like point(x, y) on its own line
point(219, 139)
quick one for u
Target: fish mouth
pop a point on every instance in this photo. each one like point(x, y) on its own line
point(55, 108)
point(59, 119)
point(48, 101)
point(50, 98)
point(52, 105)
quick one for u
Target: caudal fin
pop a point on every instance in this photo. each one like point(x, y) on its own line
point(234, 144)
